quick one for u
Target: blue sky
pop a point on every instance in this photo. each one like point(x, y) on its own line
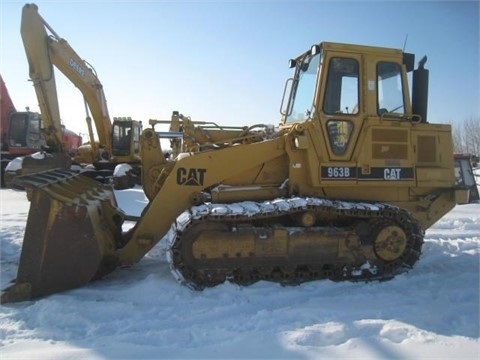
point(226, 61)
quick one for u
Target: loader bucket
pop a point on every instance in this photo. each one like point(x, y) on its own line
point(72, 232)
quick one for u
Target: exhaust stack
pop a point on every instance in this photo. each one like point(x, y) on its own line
point(420, 90)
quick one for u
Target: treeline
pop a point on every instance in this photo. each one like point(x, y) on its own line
point(466, 137)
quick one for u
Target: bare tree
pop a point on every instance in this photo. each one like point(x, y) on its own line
point(466, 136)
point(457, 135)
point(471, 128)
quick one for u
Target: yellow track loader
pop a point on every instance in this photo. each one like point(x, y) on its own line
point(343, 189)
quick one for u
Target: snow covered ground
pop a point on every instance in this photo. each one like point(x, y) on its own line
point(142, 313)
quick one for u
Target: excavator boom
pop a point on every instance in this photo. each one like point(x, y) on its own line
point(47, 50)
point(35, 40)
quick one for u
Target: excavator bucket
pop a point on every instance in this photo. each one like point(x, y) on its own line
point(72, 231)
point(35, 163)
point(38, 162)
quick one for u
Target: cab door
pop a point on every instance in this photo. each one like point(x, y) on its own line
point(340, 115)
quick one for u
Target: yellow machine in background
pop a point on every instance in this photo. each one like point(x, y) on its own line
point(118, 141)
point(343, 190)
point(188, 136)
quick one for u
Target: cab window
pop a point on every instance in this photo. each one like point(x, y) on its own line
point(339, 134)
point(341, 94)
point(303, 90)
point(390, 89)
point(18, 130)
point(136, 139)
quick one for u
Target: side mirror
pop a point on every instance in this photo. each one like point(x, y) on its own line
point(315, 49)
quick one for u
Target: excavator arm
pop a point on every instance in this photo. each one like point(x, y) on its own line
point(44, 51)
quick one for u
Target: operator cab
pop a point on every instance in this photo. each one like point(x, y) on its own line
point(338, 86)
point(25, 132)
point(125, 136)
point(464, 176)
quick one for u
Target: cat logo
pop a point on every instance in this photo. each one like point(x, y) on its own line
point(391, 174)
point(192, 177)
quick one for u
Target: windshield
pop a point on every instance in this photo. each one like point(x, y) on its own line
point(121, 138)
point(18, 129)
point(303, 89)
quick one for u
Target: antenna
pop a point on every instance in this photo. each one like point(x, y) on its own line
point(405, 42)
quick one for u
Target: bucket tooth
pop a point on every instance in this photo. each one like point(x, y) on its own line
point(71, 235)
